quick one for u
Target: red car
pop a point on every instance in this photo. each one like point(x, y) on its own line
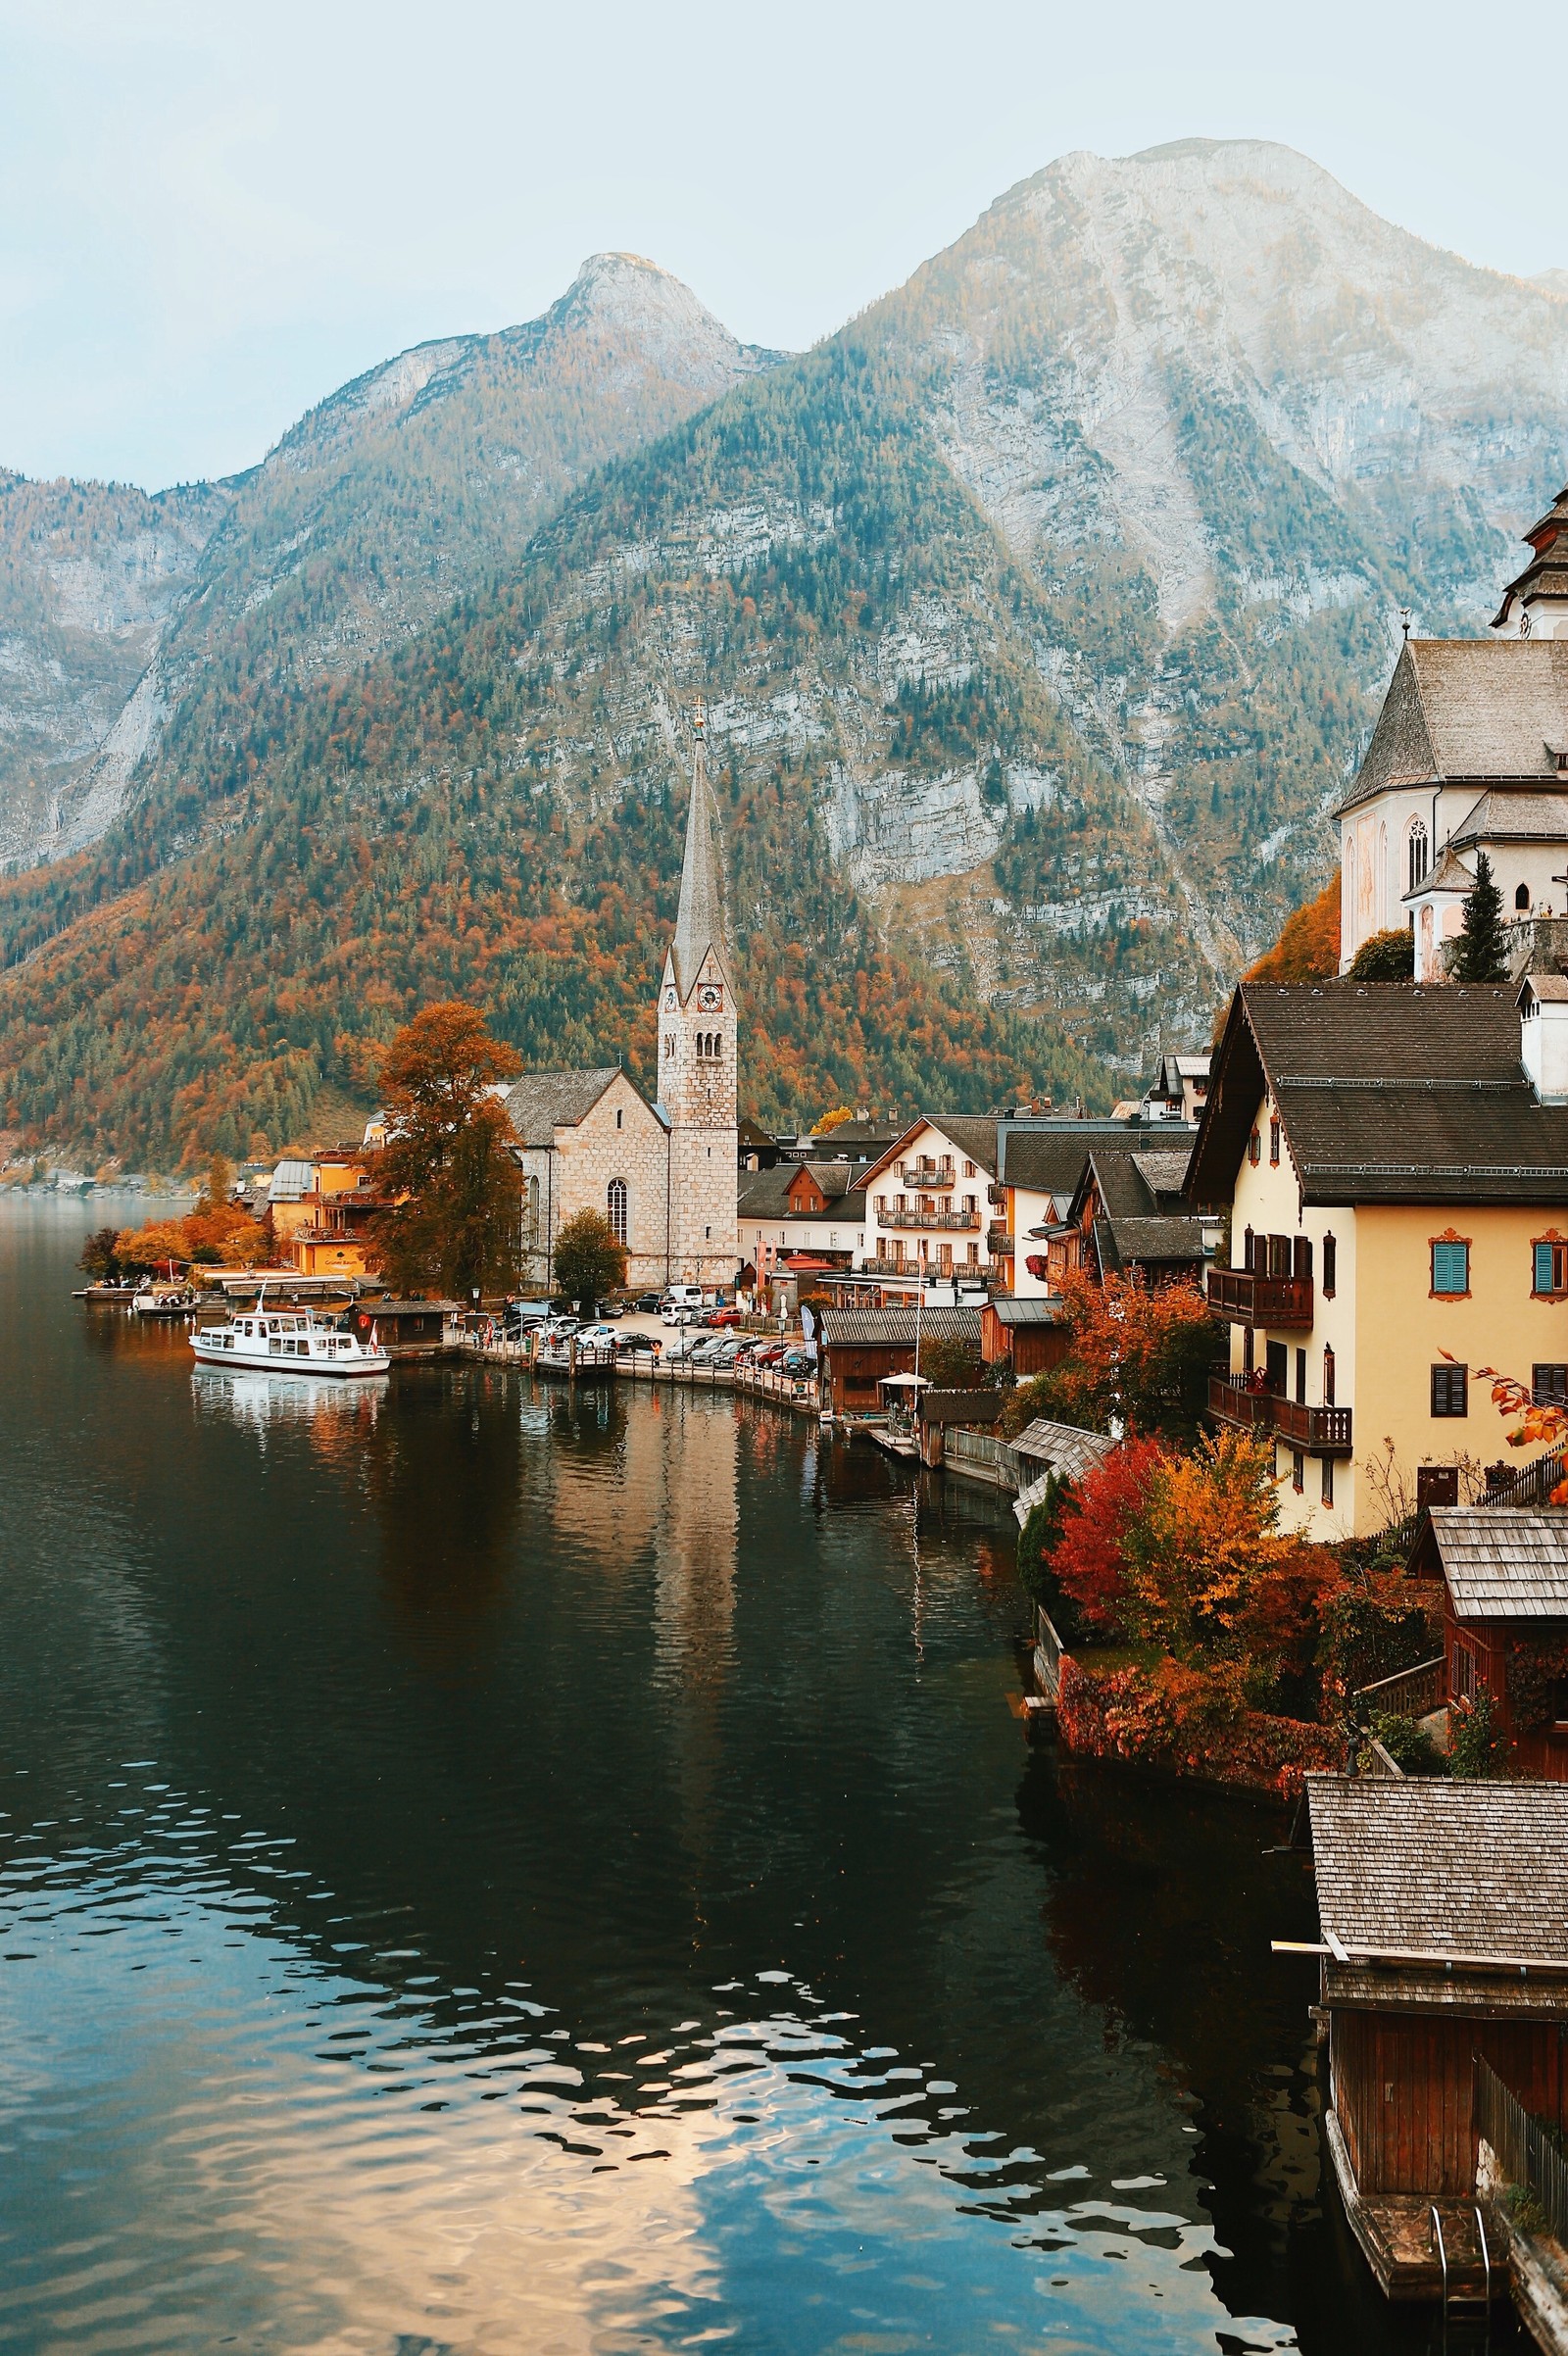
point(722, 1317)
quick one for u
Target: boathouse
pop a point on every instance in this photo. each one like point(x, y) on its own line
point(1028, 1333)
point(858, 1346)
point(1444, 1935)
point(1504, 1573)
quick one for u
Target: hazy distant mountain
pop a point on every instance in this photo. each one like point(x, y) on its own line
point(395, 496)
point(1042, 612)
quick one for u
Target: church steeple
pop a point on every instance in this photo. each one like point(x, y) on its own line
point(698, 1050)
point(1536, 604)
point(699, 918)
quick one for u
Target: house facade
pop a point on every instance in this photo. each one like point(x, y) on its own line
point(1396, 1191)
point(811, 1211)
point(927, 1205)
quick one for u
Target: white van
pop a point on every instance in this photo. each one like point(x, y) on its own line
point(683, 1296)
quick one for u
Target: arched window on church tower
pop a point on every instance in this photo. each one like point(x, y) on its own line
point(669, 1043)
point(616, 1206)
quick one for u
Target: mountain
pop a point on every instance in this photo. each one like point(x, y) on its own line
point(89, 575)
point(396, 495)
point(1042, 613)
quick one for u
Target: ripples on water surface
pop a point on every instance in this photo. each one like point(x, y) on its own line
point(486, 1869)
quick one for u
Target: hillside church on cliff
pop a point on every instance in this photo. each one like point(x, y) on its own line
point(663, 1174)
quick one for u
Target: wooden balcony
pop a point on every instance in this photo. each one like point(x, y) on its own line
point(1245, 1297)
point(952, 1219)
point(999, 1243)
point(1315, 1431)
point(926, 1177)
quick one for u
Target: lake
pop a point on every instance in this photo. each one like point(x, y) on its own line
point(485, 1866)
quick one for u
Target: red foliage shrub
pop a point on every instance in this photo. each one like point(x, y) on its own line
point(1089, 1559)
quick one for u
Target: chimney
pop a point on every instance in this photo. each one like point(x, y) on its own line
point(1543, 1035)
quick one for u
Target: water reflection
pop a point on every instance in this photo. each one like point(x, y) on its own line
point(482, 1866)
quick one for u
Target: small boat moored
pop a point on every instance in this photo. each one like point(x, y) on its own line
point(156, 1300)
point(289, 1342)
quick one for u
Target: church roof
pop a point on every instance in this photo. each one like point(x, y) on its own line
point(1450, 874)
point(543, 1101)
point(1458, 707)
point(1506, 815)
point(699, 918)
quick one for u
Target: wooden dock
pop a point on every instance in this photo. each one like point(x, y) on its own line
point(1400, 2241)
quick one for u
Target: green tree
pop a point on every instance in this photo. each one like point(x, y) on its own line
point(449, 1170)
point(1482, 955)
point(954, 1365)
point(1385, 957)
point(589, 1262)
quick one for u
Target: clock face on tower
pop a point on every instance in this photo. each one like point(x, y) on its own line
point(710, 999)
point(670, 999)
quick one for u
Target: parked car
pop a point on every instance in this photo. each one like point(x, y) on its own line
point(723, 1316)
point(672, 1314)
point(794, 1361)
point(647, 1305)
point(595, 1337)
point(769, 1354)
point(560, 1329)
point(630, 1343)
point(611, 1308)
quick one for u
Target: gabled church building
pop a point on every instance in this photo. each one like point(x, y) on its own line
point(1470, 755)
point(662, 1174)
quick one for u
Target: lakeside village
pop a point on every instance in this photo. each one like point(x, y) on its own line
point(1272, 1365)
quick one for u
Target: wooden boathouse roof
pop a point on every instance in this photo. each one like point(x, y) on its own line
point(1442, 1895)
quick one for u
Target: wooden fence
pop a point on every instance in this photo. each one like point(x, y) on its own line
point(1528, 2152)
point(1532, 1483)
point(971, 1455)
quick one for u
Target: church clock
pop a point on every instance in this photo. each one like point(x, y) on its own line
point(710, 999)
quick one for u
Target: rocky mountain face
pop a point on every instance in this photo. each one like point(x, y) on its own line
point(400, 493)
point(89, 575)
point(1042, 613)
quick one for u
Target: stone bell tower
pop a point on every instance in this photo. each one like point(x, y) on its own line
point(697, 1052)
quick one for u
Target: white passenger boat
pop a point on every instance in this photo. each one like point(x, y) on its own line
point(289, 1342)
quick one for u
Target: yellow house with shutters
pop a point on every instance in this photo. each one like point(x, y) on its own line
point(1394, 1161)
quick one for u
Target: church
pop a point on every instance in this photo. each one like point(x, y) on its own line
point(662, 1174)
point(1470, 755)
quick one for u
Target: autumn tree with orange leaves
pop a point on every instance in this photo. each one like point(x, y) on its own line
point(1138, 1356)
point(447, 1168)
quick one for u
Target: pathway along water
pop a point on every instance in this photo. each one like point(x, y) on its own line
point(497, 1868)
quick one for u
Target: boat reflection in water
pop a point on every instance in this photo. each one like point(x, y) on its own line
point(263, 1402)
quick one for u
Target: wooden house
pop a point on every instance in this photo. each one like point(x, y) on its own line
point(1444, 1934)
point(1029, 1334)
point(858, 1346)
point(1504, 1573)
point(1128, 1214)
point(411, 1328)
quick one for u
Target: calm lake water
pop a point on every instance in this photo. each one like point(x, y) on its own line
point(485, 1868)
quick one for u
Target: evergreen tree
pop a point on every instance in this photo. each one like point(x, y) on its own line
point(1483, 954)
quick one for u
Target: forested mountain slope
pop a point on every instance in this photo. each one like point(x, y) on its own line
point(1041, 612)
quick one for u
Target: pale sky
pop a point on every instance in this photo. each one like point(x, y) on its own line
point(211, 214)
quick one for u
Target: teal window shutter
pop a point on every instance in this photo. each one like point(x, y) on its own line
point(1543, 1283)
point(1450, 1267)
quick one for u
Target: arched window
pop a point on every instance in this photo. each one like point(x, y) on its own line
point(616, 1209)
point(1521, 897)
point(1417, 858)
point(530, 1211)
point(1381, 884)
point(669, 1043)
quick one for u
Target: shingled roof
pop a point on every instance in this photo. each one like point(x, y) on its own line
point(1388, 1092)
point(1043, 1162)
point(1485, 709)
point(1064, 1448)
point(1421, 1878)
point(895, 1328)
point(543, 1101)
point(1500, 1562)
